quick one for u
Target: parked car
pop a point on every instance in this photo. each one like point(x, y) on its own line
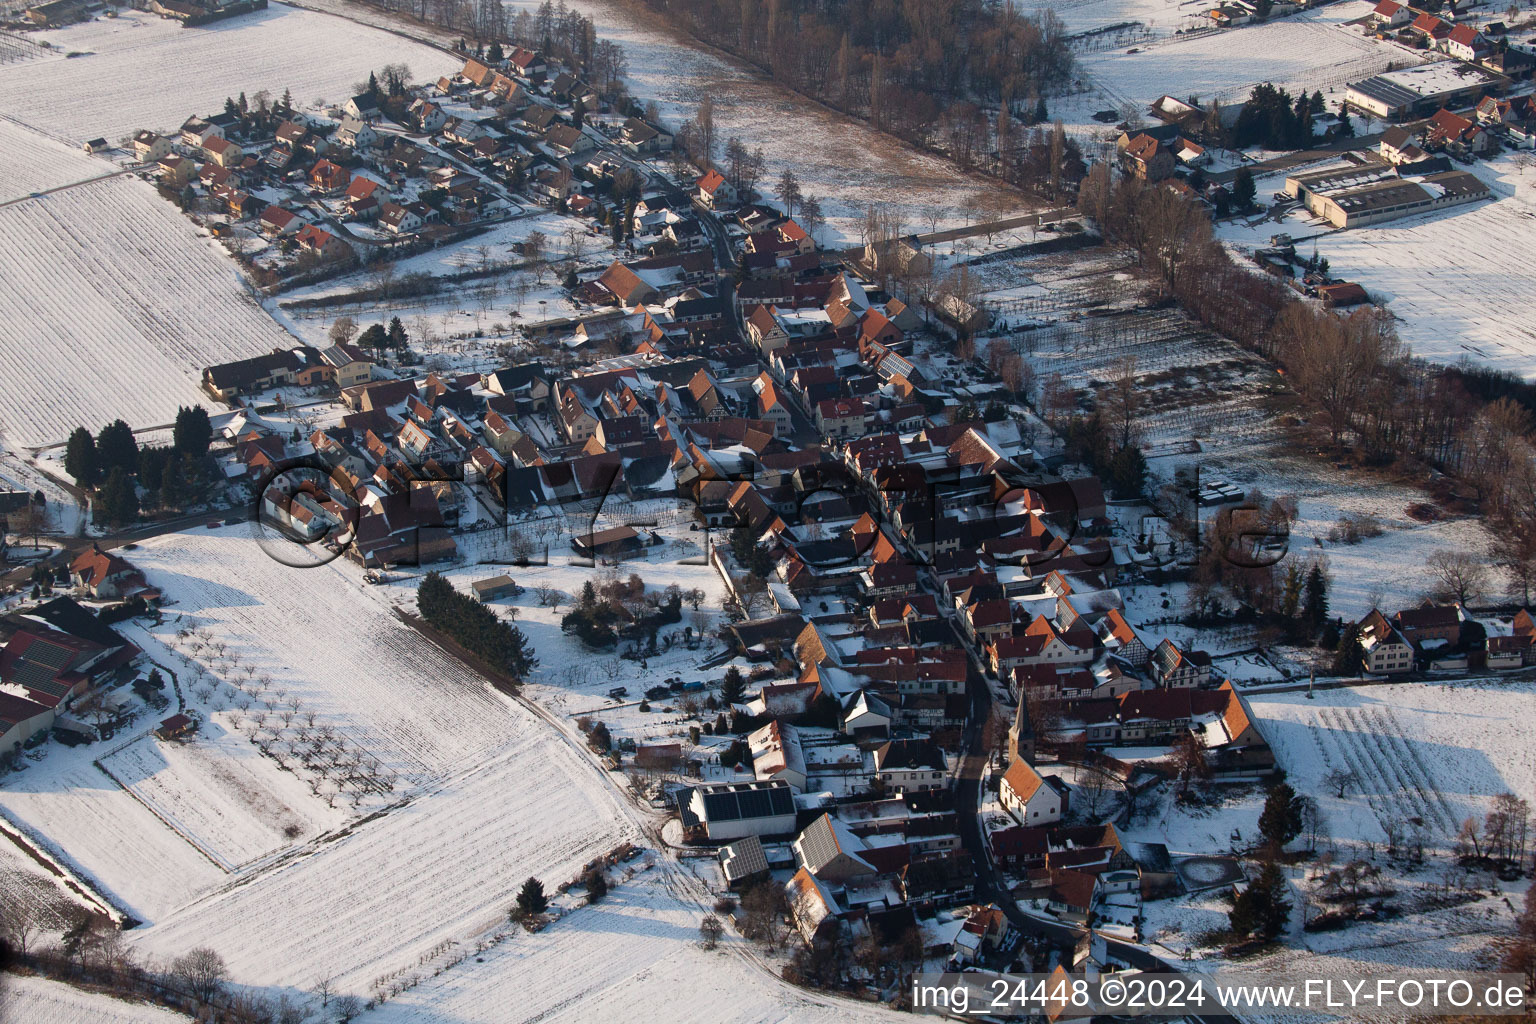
point(693, 687)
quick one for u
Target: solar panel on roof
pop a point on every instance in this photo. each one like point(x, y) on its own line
point(754, 803)
point(721, 807)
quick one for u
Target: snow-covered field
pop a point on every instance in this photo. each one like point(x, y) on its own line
point(635, 953)
point(30, 162)
point(110, 305)
point(104, 835)
point(30, 1000)
point(489, 793)
point(1310, 50)
point(1456, 281)
point(219, 792)
point(158, 74)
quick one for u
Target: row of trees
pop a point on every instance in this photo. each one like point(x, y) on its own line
point(475, 627)
point(89, 950)
point(127, 476)
point(1362, 386)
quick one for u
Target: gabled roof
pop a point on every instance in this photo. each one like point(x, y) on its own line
point(1022, 778)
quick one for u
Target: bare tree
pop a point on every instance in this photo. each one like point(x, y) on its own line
point(710, 931)
point(1340, 780)
point(1461, 576)
point(202, 971)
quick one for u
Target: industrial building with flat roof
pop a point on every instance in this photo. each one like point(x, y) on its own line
point(1387, 200)
point(1422, 90)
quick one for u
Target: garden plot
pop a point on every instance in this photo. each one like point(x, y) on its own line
point(175, 73)
point(25, 883)
point(110, 305)
point(216, 790)
point(26, 999)
point(30, 162)
point(1310, 51)
point(1437, 753)
point(1198, 390)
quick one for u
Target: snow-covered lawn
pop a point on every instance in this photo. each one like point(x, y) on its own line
point(142, 71)
point(31, 999)
point(110, 305)
point(218, 791)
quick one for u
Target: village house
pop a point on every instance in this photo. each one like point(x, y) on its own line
point(1383, 649)
point(150, 146)
point(713, 191)
point(911, 766)
point(1031, 798)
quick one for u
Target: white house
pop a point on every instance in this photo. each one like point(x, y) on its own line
point(355, 133)
point(910, 766)
point(1027, 796)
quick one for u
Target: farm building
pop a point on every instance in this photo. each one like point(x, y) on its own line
point(1389, 200)
point(1395, 95)
point(176, 726)
point(618, 542)
point(20, 720)
point(494, 588)
point(735, 810)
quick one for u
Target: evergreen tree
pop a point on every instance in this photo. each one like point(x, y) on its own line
point(1314, 608)
point(80, 459)
point(242, 105)
point(375, 338)
point(734, 687)
point(118, 501)
point(1243, 188)
point(151, 469)
point(494, 54)
point(1280, 821)
point(588, 596)
point(1128, 472)
point(230, 108)
point(1290, 591)
point(1348, 657)
point(373, 84)
point(116, 448)
point(1041, 114)
point(287, 101)
point(531, 900)
point(1262, 909)
point(175, 489)
point(398, 339)
point(475, 627)
point(193, 432)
